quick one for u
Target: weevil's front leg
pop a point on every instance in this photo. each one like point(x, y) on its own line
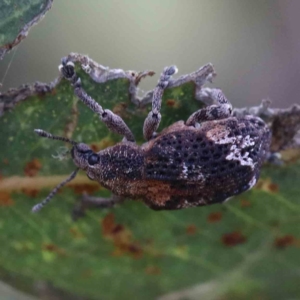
point(220, 110)
point(89, 202)
point(111, 120)
point(153, 119)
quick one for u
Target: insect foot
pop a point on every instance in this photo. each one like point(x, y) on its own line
point(203, 160)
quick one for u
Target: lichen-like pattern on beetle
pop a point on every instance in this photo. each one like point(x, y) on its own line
point(210, 164)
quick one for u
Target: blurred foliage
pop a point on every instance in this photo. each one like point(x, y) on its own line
point(16, 18)
point(245, 249)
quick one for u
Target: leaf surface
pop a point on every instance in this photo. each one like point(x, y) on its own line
point(248, 248)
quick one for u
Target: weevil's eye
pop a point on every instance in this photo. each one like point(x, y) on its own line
point(93, 159)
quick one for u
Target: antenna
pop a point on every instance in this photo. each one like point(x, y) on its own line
point(40, 205)
point(48, 135)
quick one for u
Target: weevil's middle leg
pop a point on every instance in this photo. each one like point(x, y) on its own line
point(111, 120)
point(220, 110)
point(89, 202)
point(153, 119)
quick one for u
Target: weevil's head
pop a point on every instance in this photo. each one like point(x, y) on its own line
point(83, 156)
point(85, 159)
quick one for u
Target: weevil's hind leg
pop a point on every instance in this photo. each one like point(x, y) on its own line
point(274, 158)
point(153, 119)
point(219, 109)
point(111, 120)
point(89, 202)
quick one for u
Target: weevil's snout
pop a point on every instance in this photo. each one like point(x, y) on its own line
point(83, 156)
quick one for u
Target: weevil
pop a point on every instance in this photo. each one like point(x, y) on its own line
point(206, 159)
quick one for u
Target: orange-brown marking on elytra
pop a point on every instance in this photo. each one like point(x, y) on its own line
point(5, 161)
point(267, 185)
point(191, 229)
point(30, 192)
point(232, 239)
point(154, 192)
point(153, 270)
point(53, 248)
point(85, 188)
point(5, 199)
point(245, 203)
point(173, 103)
point(121, 238)
point(284, 241)
point(159, 192)
point(32, 168)
point(214, 217)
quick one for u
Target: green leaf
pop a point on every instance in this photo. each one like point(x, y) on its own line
point(16, 19)
point(247, 248)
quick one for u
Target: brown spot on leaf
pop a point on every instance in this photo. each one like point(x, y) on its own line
point(5, 199)
point(232, 239)
point(32, 168)
point(53, 248)
point(214, 217)
point(87, 273)
point(102, 144)
point(108, 224)
point(76, 233)
point(153, 270)
point(273, 188)
point(173, 103)
point(267, 185)
point(85, 188)
point(245, 203)
point(121, 238)
point(284, 241)
point(135, 250)
point(191, 229)
point(120, 110)
point(94, 147)
point(274, 223)
point(30, 192)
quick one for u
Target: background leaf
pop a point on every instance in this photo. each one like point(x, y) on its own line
point(16, 19)
point(248, 248)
